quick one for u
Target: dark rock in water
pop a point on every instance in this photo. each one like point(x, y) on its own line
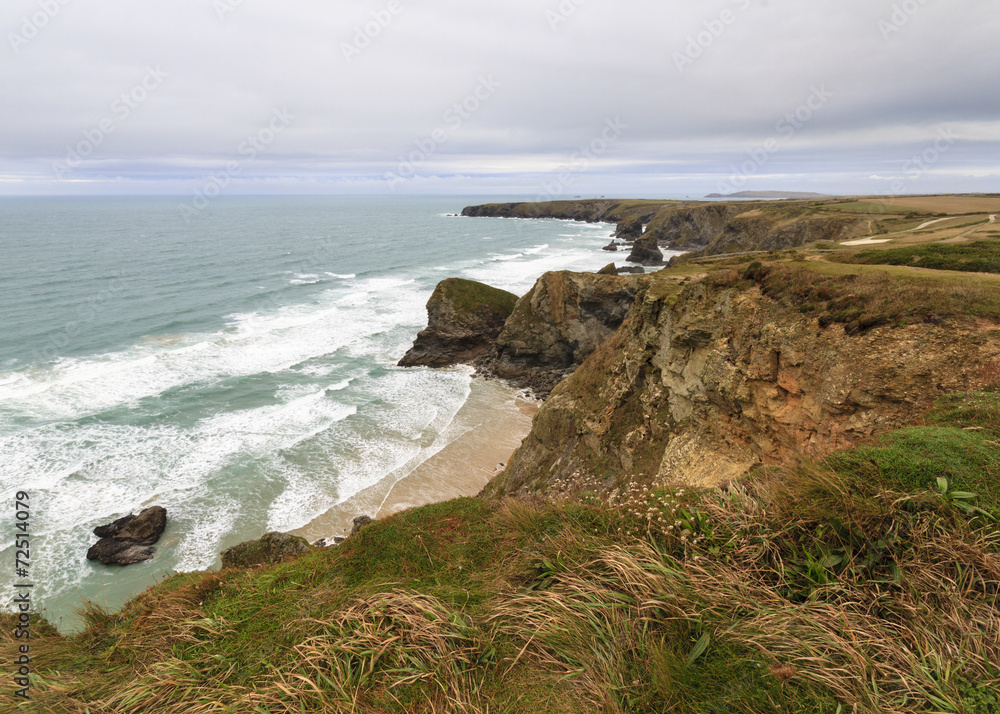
point(564, 318)
point(270, 548)
point(111, 551)
point(646, 251)
point(612, 246)
point(360, 522)
point(463, 320)
point(110, 530)
point(633, 269)
point(608, 269)
point(121, 541)
point(144, 529)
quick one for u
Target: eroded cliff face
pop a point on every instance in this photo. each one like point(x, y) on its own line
point(698, 387)
point(563, 319)
point(693, 228)
point(707, 228)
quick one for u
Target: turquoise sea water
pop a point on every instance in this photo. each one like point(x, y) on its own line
point(237, 367)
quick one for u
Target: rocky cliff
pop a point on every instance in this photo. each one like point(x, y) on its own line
point(463, 320)
point(705, 228)
point(704, 382)
point(563, 318)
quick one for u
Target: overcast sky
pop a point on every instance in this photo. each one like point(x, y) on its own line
point(542, 98)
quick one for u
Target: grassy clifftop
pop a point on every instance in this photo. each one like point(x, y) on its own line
point(869, 580)
point(714, 228)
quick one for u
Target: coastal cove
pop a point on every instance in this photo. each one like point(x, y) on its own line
point(239, 369)
point(775, 467)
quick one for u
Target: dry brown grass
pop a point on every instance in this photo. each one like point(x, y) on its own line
point(952, 205)
point(882, 646)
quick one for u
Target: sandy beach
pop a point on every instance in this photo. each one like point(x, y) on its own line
point(485, 432)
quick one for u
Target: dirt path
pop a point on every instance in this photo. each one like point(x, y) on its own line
point(886, 237)
point(965, 236)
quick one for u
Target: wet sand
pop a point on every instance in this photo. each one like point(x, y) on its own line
point(486, 430)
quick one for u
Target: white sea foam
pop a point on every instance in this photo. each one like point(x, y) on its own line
point(254, 343)
point(266, 422)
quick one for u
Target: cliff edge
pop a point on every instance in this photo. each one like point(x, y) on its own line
point(563, 319)
point(737, 368)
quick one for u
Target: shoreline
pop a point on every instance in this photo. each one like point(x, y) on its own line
point(486, 430)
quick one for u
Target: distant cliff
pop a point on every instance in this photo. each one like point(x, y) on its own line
point(706, 228)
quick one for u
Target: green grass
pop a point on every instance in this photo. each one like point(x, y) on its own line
point(977, 257)
point(471, 296)
point(808, 589)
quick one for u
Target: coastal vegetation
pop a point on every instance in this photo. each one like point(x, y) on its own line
point(867, 579)
point(770, 483)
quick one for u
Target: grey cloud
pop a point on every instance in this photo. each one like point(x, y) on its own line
point(358, 112)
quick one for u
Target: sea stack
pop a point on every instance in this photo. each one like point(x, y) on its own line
point(463, 320)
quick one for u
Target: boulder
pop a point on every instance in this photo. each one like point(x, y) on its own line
point(612, 246)
point(110, 551)
point(144, 529)
point(646, 251)
point(564, 318)
point(463, 320)
point(608, 269)
point(121, 541)
point(361, 522)
point(270, 548)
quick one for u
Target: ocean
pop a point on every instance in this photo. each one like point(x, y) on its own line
point(236, 366)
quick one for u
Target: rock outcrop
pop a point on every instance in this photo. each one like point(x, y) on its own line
point(645, 251)
point(270, 548)
point(699, 386)
point(755, 231)
point(694, 227)
point(463, 320)
point(361, 522)
point(553, 328)
point(126, 541)
point(629, 228)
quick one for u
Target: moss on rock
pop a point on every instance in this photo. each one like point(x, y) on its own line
point(271, 548)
